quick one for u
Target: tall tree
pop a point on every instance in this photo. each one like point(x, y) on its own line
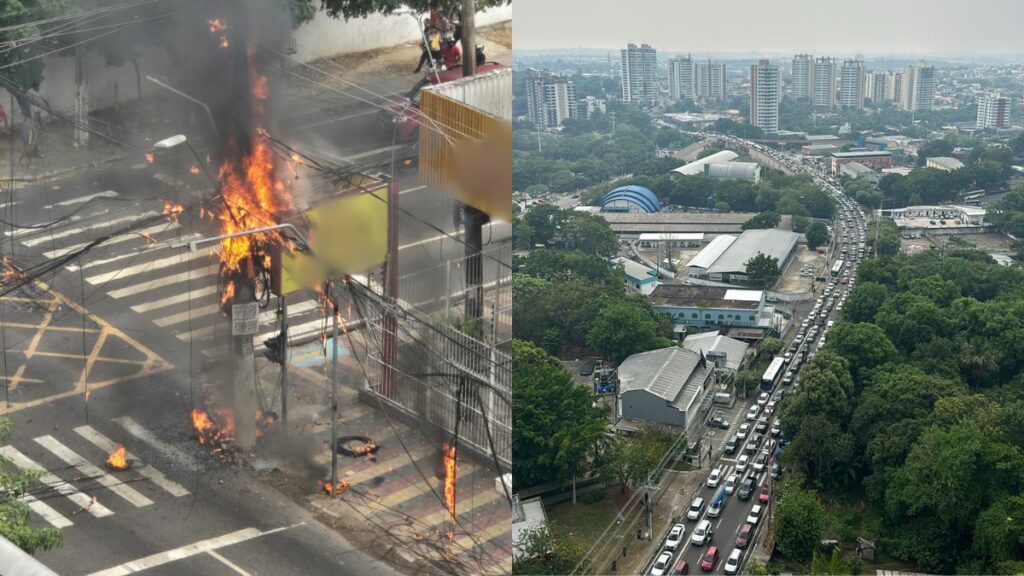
point(762, 220)
point(763, 270)
point(15, 523)
point(554, 422)
point(817, 235)
point(623, 328)
point(799, 520)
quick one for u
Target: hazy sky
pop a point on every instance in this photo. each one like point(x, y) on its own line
point(839, 27)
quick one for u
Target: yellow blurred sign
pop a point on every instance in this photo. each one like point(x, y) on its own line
point(467, 151)
point(347, 235)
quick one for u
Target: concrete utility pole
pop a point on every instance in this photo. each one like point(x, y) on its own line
point(244, 318)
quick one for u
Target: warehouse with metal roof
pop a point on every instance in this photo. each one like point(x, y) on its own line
point(749, 171)
point(697, 166)
point(665, 386)
point(726, 261)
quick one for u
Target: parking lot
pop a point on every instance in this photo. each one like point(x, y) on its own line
point(792, 282)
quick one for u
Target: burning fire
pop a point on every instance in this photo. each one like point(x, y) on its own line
point(150, 158)
point(117, 460)
point(336, 490)
point(251, 193)
point(215, 431)
point(216, 25)
point(10, 272)
point(172, 210)
point(194, 169)
point(224, 42)
point(263, 421)
point(229, 293)
point(450, 468)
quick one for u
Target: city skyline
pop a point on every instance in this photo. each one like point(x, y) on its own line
point(943, 27)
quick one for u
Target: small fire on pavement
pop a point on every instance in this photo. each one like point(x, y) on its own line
point(117, 459)
point(263, 421)
point(150, 158)
point(450, 469)
point(217, 429)
point(216, 25)
point(172, 210)
point(335, 490)
point(194, 169)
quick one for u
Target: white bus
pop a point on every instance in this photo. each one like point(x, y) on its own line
point(772, 374)
point(837, 268)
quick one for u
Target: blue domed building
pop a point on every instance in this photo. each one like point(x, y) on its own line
point(630, 199)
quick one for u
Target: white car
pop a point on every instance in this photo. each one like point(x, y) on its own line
point(762, 399)
point(730, 484)
point(743, 431)
point(714, 478)
point(770, 407)
point(755, 514)
point(732, 564)
point(675, 537)
point(695, 507)
point(662, 564)
point(741, 463)
point(753, 412)
point(701, 535)
point(760, 461)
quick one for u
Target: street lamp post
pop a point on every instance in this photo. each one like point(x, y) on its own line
point(209, 114)
point(178, 140)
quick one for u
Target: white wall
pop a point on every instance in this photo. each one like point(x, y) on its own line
point(325, 36)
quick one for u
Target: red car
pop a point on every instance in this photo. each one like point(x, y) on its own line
point(765, 495)
point(404, 117)
point(743, 538)
point(707, 563)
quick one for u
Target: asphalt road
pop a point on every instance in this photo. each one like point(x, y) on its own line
point(150, 333)
point(735, 513)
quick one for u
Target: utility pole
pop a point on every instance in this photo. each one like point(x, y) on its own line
point(333, 295)
point(284, 361)
point(244, 322)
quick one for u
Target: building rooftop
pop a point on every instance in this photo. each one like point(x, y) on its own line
point(686, 295)
point(733, 170)
point(775, 243)
point(946, 162)
point(735, 350)
point(681, 222)
point(532, 517)
point(664, 373)
point(671, 236)
point(697, 166)
point(635, 270)
point(707, 256)
point(862, 154)
point(821, 138)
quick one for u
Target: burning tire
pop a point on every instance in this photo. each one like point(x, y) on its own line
point(354, 446)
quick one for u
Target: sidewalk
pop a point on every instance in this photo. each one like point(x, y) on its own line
point(393, 508)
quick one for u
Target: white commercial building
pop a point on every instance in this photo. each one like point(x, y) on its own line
point(851, 84)
point(823, 82)
point(764, 96)
point(944, 163)
point(709, 81)
point(993, 111)
point(639, 82)
point(802, 73)
point(550, 99)
point(918, 91)
point(589, 105)
point(680, 79)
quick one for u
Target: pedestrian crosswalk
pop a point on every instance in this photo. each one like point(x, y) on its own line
point(73, 479)
point(173, 288)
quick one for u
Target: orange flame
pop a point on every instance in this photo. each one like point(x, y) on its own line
point(229, 293)
point(117, 460)
point(149, 239)
point(172, 210)
point(450, 469)
point(224, 42)
point(216, 25)
point(214, 430)
point(194, 169)
point(336, 490)
point(150, 158)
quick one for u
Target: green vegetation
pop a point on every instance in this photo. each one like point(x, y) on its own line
point(549, 225)
point(545, 553)
point(799, 519)
point(15, 524)
point(762, 221)
point(622, 329)
point(555, 428)
point(628, 461)
point(22, 62)
point(1008, 213)
point(888, 237)
point(763, 270)
point(915, 407)
point(817, 234)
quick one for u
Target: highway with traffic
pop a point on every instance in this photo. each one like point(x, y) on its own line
point(719, 537)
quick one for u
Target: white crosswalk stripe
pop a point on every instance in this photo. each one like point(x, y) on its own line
point(82, 199)
point(69, 220)
point(163, 448)
point(147, 266)
point(107, 445)
point(84, 501)
point(135, 235)
point(56, 519)
point(179, 298)
point(104, 223)
point(91, 263)
point(116, 486)
point(165, 281)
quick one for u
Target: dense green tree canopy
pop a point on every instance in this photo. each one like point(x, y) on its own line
point(799, 519)
point(817, 235)
point(762, 220)
point(763, 270)
point(554, 423)
point(15, 523)
point(624, 328)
